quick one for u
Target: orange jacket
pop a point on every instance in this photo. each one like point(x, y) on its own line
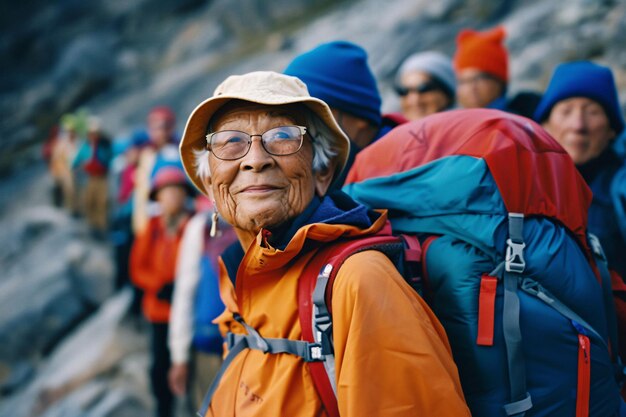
point(392, 356)
point(153, 265)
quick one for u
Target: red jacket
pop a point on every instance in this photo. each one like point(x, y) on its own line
point(153, 266)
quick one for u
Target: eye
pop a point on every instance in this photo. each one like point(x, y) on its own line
point(228, 137)
point(235, 138)
point(282, 133)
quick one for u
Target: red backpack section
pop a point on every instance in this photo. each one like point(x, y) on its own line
point(521, 167)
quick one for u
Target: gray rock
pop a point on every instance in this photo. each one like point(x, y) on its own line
point(88, 371)
point(49, 285)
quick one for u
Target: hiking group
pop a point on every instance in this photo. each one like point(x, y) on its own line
point(463, 256)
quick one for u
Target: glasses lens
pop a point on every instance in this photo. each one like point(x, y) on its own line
point(426, 87)
point(401, 91)
point(229, 144)
point(283, 140)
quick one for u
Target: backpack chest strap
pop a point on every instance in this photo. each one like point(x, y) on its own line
point(237, 343)
point(309, 352)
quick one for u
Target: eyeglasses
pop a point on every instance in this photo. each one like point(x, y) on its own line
point(229, 145)
point(420, 89)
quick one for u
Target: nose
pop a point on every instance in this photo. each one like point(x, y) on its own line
point(257, 159)
point(413, 98)
point(577, 120)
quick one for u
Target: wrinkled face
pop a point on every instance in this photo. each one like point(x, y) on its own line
point(476, 89)
point(260, 190)
point(171, 199)
point(416, 105)
point(581, 126)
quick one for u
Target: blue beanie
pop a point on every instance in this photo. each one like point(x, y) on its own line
point(337, 73)
point(582, 79)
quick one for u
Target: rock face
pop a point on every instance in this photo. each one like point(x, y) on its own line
point(119, 58)
point(65, 349)
point(53, 277)
point(94, 372)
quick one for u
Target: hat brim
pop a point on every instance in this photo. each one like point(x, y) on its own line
point(194, 136)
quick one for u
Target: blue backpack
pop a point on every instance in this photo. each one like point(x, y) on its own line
point(507, 266)
point(208, 303)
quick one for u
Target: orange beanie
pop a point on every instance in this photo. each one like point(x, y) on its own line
point(484, 51)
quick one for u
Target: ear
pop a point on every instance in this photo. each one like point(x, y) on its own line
point(323, 179)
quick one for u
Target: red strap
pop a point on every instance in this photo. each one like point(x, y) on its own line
point(334, 254)
point(306, 285)
point(426, 291)
point(584, 376)
point(486, 310)
point(413, 251)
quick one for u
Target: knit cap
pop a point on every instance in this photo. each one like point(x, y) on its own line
point(484, 51)
point(337, 73)
point(582, 79)
point(435, 64)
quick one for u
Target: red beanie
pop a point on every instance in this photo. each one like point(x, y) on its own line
point(484, 51)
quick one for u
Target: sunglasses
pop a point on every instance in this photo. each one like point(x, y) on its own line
point(420, 89)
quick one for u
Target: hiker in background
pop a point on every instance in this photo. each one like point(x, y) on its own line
point(267, 152)
point(195, 343)
point(62, 155)
point(56, 191)
point(481, 64)
point(161, 150)
point(152, 268)
point(426, 84)
point(338, 73)
point(93, 160)
point(121, 234)
point(580, 109)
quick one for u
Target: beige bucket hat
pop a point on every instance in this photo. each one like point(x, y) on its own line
point(262, 87)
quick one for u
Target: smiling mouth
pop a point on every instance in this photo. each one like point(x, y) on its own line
point(259, 189)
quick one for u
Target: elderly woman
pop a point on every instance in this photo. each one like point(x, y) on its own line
point(266, 152)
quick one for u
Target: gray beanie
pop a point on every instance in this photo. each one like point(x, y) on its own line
point(435, 64)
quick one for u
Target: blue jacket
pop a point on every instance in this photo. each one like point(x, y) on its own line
point(607, 217)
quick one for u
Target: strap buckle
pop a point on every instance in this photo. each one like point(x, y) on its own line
point(596, 246)
point(314, 353)
point(515, 257)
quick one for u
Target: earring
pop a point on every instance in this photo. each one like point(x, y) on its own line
point(213, 231)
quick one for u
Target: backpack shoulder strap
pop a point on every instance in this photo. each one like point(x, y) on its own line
point(314, 305)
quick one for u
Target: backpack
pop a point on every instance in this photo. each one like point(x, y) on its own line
point(97, 165)
point(208, 303)
point(522, 291)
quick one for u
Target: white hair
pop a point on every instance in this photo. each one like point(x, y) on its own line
point(324, 146)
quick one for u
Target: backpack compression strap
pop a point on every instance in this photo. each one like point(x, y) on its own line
point(514, 266)
point(603, 268)
point(609, 306)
